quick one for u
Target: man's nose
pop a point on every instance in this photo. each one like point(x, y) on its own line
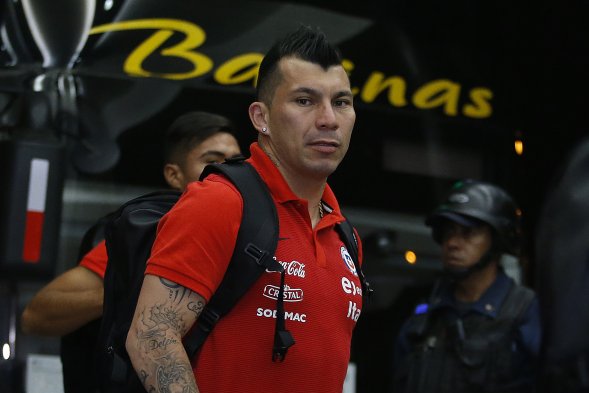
point(327, 118)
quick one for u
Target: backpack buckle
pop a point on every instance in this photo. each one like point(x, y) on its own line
point(208, 319)
point(282, 341)
point(256, 253)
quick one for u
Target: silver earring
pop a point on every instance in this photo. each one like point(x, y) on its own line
point(264, 130)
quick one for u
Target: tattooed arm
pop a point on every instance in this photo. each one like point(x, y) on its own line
point(165, 312)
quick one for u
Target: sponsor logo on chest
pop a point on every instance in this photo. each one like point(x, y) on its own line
point(289, 294)
point(292, 268)
point(350, 288)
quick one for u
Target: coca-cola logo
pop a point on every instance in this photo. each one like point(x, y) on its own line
point(293, 268)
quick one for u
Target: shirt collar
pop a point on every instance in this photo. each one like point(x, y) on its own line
point(490, 302)
point(279, 188)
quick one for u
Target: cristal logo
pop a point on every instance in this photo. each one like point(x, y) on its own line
point(289, 295)
point(348, 260)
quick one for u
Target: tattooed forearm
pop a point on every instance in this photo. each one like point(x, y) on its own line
point(176, 292)
point(196, 307)
point(165, 311)
point(155, 325)
point(175, 376)
point(162, 344)
point(142, 374)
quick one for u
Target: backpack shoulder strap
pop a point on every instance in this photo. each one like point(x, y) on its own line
point(256, 243)
point(516, 303)
point(510, 314)
point(348, 236)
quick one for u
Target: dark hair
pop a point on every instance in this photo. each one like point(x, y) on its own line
point(305, 43)
point(190, 130)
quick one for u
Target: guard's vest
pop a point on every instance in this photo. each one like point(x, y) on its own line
point(470, 354)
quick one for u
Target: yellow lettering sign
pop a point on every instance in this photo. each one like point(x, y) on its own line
point(349, 67)
point(480, 107)
point(243, 68)
point(377, 83)
point(239, 69)
point(195, 37)
point(438, 93)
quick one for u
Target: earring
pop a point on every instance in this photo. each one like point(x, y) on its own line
point(264, 130)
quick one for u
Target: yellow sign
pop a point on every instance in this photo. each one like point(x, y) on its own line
point(242, 68)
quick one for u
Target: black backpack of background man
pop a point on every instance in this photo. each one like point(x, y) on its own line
point(129, 237)
point(78, 367)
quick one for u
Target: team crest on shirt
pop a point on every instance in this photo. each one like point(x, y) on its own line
point(348, 260)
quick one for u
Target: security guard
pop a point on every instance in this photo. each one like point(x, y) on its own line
point(479, 331)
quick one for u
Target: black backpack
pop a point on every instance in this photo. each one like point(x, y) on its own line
point(78, 374)
point(129, 237)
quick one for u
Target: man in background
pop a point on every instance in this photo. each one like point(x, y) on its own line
point(479, 331)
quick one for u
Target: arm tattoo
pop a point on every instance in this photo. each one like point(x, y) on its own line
point(155, 333)
point(143, 378)
point(196, 307)
point(176, 292)
point(158, 329)
point(155, 324)
point(171, 375)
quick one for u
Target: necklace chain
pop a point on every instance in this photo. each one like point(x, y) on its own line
point(320, 206)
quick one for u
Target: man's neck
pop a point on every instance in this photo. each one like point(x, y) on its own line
point(471, 288)
point(305, 187)
point(311, 191)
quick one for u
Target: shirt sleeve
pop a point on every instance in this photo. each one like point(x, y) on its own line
point(196, 238)
point(96, 259)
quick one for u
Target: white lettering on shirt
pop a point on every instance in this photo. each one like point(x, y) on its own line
point(292, 268)
point(288, 316)
point(289, 294)
point(350, 287)
point(353, 311)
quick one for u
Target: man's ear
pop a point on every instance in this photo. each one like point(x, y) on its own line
point(258, 115)
point(174, 176)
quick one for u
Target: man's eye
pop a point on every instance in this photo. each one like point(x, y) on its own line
point(340, 103)
point(304, 101)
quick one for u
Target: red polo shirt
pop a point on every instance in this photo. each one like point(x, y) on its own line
point(96, 259)
point(323, 297)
